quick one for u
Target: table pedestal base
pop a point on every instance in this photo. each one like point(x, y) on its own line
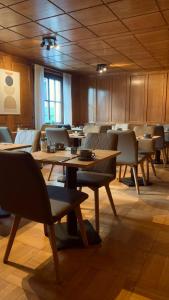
point(66, 241)
point(130, 182)
point(4, 214)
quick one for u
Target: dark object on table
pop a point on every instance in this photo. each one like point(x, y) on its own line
point(43, 204)
point(59, 146)
point(73, 150)
point(147, 136)
point(86, 154)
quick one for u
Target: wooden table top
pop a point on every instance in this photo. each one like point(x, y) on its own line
point(11, 146)
point(65, 158)
point(154, 137)
point(76, 136)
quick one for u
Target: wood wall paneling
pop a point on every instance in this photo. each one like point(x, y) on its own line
point(138, 99)
point(156, 97)
point(118, 98)
point(167, 102)
point(103, 99)
point(26, 118)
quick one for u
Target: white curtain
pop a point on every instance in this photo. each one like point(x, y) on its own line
point(67, 98)
point(39, 92)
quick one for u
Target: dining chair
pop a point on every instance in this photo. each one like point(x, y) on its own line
point(128, 146)
point(103, 173)
point(5, 135)
point(57, 135)
point(160, 142)
point(30, 137)
point(27, 196)
point(166, 136)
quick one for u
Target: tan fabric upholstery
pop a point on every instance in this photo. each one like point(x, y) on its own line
point(31, 137)
point(123, 126)
point(144, 129)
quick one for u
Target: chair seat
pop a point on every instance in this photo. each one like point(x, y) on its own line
point(63, 200)
point(85, 178)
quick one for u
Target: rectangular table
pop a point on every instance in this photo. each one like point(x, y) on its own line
point(67, 234)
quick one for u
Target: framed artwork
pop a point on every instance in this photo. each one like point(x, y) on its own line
point(9, 92)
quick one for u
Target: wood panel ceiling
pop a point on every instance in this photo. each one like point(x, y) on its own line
point(125, 34)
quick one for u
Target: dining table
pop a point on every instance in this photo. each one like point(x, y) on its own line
point(10, 147)
point(67, 233)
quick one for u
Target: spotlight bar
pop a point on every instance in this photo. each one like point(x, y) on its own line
point(101, 68)
point(49, 42)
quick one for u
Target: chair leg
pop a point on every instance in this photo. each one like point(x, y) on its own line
point(119, 173)
point(110, 199)
point(143, 173)
point(52, 238)
point(152, 166)
point(125, 169)
point(136, 180)
point(164, 157)
point(45, 230)
point(51, 170)
point(15, 225)
point(81, 226)
point(96, 200)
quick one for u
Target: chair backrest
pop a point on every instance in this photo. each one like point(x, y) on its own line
point(159, 131)
point(5, 135)
point(23, 190)
point(123, 126)
point(143, 129)
point(128, 146)
point(166, 133)
point(93, 128)
point(57, 135)
point(30, 137)
point(104, 141)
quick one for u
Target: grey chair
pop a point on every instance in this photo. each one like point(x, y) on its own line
point(5, 135)
point(166, 136)
point(30, 137)
point(57, 135)
point(102, 174)
point(160, 144)
point(128, 146)
point(27, 196)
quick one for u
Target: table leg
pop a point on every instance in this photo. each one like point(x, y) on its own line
point(68, 233)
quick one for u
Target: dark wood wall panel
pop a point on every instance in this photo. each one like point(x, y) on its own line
point(135, 98)
point(103, 99)
point(138, 99)
point(156, 98)
point(26, 118)
point(118, 98)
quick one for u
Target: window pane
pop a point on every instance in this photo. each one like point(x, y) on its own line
point(52, 112)
point(58, 112)
point(58, 90)
point(52, 89)
point(46, 88)
point(46, 112)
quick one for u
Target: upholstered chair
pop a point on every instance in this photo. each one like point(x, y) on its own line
point(29, 137)
point(5, 135)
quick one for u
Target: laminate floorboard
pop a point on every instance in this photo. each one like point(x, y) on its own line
point(131, 263)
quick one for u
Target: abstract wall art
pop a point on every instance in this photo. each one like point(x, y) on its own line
point(9, 92)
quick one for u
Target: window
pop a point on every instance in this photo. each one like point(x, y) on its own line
point(53, 104)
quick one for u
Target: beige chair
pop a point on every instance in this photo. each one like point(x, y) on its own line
point(103, 173)
point(27, 196)
point(5, 135)
point(54, 136)
point(166, 136)
point(29, 137)
point(128, 146)
point(140, 130)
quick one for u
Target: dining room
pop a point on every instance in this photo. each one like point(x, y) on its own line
point(84, 149)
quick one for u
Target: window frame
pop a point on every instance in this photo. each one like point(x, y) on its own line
point(49, 76)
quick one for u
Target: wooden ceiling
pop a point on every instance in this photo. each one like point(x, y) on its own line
point(130, 35)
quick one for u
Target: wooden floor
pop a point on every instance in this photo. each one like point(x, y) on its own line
point(132, 263)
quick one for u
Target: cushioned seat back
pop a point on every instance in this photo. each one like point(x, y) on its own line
point(105, 141)
point(29, 137)
point(160, 142)
point(5, 135)
point(23, 190)
point(143, 129)
point(128, 146)
point(57, 135)
point(93, 128)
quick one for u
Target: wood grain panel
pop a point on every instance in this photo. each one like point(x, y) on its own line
point(156, 97)
point(137, 111)
point(26, 118)
point(103, 98)
point(118, 98)
point(167, 102)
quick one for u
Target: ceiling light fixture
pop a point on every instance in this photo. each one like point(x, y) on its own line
point(49, 42)
point(101, 68)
